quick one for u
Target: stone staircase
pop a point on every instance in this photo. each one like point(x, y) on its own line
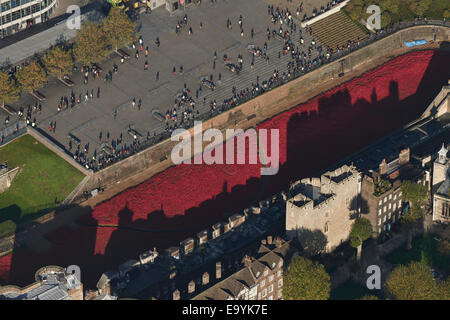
point(336, 30)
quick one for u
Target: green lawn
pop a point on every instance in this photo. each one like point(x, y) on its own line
point(43, 180)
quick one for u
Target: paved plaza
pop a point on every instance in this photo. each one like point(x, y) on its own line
point(113, 113)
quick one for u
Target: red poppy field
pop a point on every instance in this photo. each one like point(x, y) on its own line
point(185, 199)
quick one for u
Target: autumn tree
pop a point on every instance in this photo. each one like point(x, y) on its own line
point(90, 44)
point(360, 232)
point(415, 194)
point(369, 297)
point(9, 91)
point(58, 62)
point(119, 30)
point(412, 282)
point(32, 77)
point(419, 7)
point(306, 280)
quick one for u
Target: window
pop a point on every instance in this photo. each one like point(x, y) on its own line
point(395, 196)
point(280, 264)
point(264, 293)
point(15, 15)
point(271, 278)
point(263, 283)
point(400, 194)
point(379, 211)
point(390, 196)
point(384, 209)
point(380, 202)
point(399, 203)
point(395, 206)
point(35, 7)
point(26, 11)
point(279, 273)
point(389, 206)
point(279, 294)
point(384, 219)
point(280, 283)
point(271, 298)
point(271, 288)
point(385, 199)
point(266, 273)
point(379, 221)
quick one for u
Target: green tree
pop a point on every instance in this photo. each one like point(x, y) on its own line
point(412, 282)
point(389, 5)
point(119, 30)
point(419, 7)
point(361, 231)
point(369, 297)
point(90, 44)
point(306, 280)
point(32, 77)
point(58, 62)
point(444, 290)
point(355, 9)
point(415, 194)
point(386, 19)
point(9, 91)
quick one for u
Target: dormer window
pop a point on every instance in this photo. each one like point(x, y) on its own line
point(258, 274)
point(273, 265)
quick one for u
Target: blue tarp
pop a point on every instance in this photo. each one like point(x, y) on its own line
point(415, 43)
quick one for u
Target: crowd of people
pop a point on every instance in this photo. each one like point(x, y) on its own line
point(303, 55)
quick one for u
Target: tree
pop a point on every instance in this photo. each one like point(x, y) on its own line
point(355, 9)
point(58, 62)
point(444, 290)
point(9, 91)
point(412, 282)
point(369, 297)
point(419, 7)
point(415, 194)
point(32, 77)
point(90, 44)
point(360, 232)
point(306, 280)
point(119, 30)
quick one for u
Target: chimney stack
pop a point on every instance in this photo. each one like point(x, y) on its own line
point(176, 295)
point(191, 286)
point(218, 270)
point(205, 278)
point(247, 261)
point(278, 242)
point(403, 157)
point(383, 167)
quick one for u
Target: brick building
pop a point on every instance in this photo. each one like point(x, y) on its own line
point(261, 277)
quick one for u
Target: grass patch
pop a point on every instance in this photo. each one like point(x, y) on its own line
point(424, 249)
point(44, 179)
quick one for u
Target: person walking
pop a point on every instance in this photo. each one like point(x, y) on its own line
point(157, 75)
point(98, 92)
point(133, 103)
